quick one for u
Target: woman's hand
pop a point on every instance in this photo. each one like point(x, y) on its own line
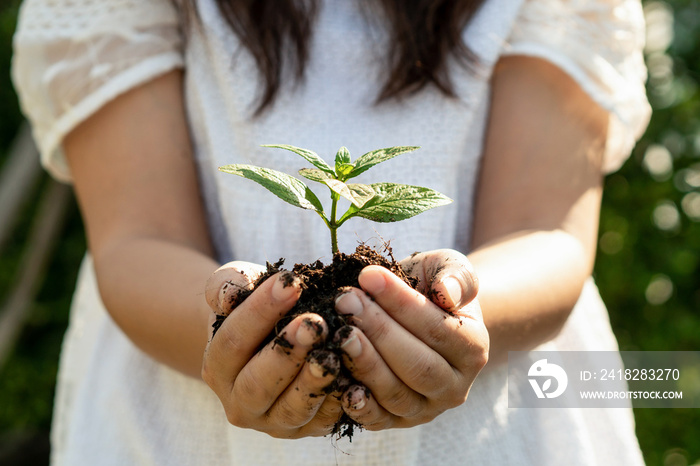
point(416, 359)
point(279, 389)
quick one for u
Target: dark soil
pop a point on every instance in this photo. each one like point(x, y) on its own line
point(321, 284)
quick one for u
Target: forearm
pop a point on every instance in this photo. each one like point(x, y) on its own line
point(137, 187)
point(154, 291)
point(528, 284)
point(537, 204)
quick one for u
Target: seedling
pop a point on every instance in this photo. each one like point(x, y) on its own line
point(379, 202)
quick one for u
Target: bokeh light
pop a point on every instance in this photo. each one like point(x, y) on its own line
point(666, 216)
point(659, 290)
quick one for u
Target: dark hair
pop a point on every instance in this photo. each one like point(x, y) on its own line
point(422, 34)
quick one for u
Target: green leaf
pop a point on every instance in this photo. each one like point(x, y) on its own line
point(343, 170)
point(285, 187)
point(342, 157)
point(370, 159)
point(315, 175)
point(362, 193)
point(395, 202)
point(340, 188)
point(310, 156)
point(358, 194)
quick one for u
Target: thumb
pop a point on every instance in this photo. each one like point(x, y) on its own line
point(447, 276)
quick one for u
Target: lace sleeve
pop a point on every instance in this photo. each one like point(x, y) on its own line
point(71, 57)
point(599, 44)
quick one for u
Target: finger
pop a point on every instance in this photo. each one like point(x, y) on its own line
point(323, 423)
point(303, 398)
point(241, 334)
point(410, 359)
point(449, 336)
point(368, 367)
point(230, 284)
point(362, 407)
point(445, 275)
point(326, 418)
point(329, 414)
point(267, 375)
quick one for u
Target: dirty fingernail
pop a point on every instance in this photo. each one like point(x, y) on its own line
point(359, 405)
point(352, 346)
point(451, 291)
point(225, 297)
point(316, 369)
point(308, 332)
point(285, 287)
point(322, 363)
point(349, 303)
point(356, 397)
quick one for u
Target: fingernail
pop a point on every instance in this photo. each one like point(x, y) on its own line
point(352, 346)
point(224, 292)
point(349, 303)
point(356, 397)
point(322, 363)
point(359, 405)
point(316, 369)
point(451, 291)
point(230, 296)
point(285, 287)
point(308, 332)
point(372, 281)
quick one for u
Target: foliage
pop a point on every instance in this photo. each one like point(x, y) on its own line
point(379, 202)
point(9, 109)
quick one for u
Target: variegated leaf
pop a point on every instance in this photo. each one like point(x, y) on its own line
point(343, 170)
point(314, 174)
point(286, 187)
point(362, 193)
point(394, 202)
point(370, 159)
point(342, 157)
point(310, 156)
point(358, 194)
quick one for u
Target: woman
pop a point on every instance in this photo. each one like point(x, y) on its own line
point(138, 115)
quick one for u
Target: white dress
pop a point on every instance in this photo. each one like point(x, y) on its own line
point(116, 406)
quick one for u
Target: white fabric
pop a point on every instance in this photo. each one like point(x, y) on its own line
point(115, 406)
point(599, 44)
point(75, 55)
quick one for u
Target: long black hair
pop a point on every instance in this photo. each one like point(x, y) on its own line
point(423, 34)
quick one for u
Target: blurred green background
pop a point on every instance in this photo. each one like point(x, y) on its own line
point(647, 269)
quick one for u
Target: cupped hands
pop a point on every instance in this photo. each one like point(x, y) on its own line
point(415, 353)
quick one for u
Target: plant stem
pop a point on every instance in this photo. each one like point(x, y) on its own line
point(333, 226)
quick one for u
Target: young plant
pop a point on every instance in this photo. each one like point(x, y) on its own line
point(379, 202)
